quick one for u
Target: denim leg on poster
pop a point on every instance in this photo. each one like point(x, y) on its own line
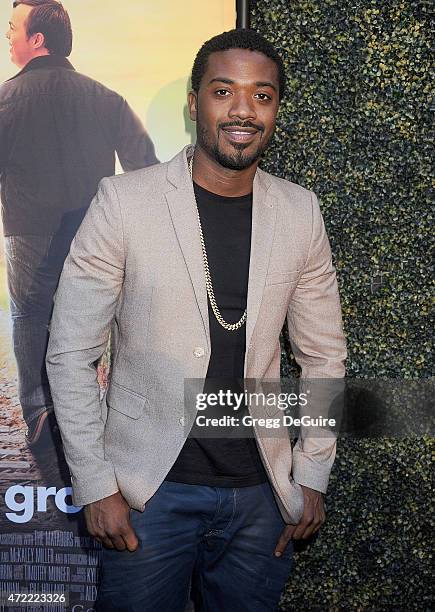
point(217, 542)
point(34, 264)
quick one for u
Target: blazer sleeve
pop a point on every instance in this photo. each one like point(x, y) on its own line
point(85, 303)
point(318, 344)
point(134, 146)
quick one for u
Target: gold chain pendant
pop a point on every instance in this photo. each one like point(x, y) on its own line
point(208, 283)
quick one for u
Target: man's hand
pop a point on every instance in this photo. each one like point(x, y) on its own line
point(312, 519)
point(108, 520)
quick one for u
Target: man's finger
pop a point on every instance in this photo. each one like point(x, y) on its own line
point(318, 520)
point(105, 541)
point(118, 542)
point(316, 529)
point(130, 539)
point(283, 540)
point(310, 530)
point(129, 535)
point(301, 527)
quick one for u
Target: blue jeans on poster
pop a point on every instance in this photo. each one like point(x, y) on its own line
point(34, 264)
point(213, 543)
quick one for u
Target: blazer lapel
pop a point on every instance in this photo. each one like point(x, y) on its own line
point(182, 208)
point(264, 209)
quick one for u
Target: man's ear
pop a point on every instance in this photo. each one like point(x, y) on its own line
point(38, 41)
point(192, 102)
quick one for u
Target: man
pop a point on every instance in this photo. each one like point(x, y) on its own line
point(59, 131)
point(212, 515)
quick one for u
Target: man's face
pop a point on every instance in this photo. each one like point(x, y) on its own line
point(22, 49)
point(236, 106)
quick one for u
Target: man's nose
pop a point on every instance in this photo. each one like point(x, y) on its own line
point(242, 107)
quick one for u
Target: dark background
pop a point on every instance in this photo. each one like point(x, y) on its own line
point(354, 127)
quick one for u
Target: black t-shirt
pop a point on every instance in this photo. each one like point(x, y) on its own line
point(225, 462)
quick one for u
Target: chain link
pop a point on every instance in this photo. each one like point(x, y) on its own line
point(208, 283)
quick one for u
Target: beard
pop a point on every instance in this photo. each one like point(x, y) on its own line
point(238, 159)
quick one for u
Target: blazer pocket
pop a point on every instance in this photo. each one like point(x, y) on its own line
point(125, 401)
point(278, 278)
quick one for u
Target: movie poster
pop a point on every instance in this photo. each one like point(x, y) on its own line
point(144, 51)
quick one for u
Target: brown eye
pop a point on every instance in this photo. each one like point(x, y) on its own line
point(263, 96)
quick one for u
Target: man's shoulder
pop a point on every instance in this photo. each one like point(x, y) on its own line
point(142, 181)
point(289, 193)
point(7, 89)
point(92, 84)
point(53, 81)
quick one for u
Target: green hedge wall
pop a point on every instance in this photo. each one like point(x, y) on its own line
point(355, 128)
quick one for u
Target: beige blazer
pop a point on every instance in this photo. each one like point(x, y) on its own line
point(136, 262)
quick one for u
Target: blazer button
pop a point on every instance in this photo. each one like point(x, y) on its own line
point(198, 351)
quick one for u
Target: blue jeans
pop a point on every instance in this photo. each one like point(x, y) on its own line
point(34, 264)
point(212, 542)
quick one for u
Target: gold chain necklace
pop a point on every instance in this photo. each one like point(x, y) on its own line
point(208, 283)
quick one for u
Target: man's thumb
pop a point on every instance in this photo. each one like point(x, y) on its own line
point(131, 540)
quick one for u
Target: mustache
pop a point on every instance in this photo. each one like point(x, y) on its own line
point(242, 124)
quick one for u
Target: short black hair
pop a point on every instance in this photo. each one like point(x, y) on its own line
point(50, 19)
point(237, 39)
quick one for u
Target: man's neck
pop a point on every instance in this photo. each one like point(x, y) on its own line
point(210, 175)
point(41, 53)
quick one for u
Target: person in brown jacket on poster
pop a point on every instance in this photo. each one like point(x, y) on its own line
point(59, 131)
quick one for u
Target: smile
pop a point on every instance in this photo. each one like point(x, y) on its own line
point(240, 134)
